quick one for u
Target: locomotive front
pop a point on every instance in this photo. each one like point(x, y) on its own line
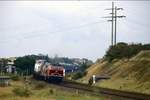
point(55, 73)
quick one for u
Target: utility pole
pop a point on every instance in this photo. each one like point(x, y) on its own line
point(114, 17)
point(115, 25)
point(112, 28)
point(112, 22)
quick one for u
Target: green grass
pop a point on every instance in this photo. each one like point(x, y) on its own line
point(126, 74)
point(48, 92)
point(126, 85)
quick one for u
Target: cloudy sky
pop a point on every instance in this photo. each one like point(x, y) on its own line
point(69, 28)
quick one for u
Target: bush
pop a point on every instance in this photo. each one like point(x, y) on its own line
point(78, 75)
point(39, 85)
point(84, 66)
point(22, 91)
point(51, 91)
point(90, 81)
point(124, 50)
point(15, 77)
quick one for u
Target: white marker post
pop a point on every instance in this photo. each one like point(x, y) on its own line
point(93, 79)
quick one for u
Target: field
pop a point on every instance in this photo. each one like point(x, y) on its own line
point(126, 85)
point(38, 90)
point(125, 74)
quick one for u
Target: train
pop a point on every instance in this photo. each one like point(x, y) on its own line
point(48, 72)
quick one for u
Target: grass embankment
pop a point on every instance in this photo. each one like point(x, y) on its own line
point(126, 74)
point(37, 90)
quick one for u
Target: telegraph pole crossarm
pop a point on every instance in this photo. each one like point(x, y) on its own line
point(116, 16)
point(113, 21)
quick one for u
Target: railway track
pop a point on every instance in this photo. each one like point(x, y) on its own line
point(106, 91)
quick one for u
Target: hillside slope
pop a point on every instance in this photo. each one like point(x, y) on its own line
point(127, 74)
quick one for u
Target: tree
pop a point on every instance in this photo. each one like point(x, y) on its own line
point(25, 64)
point(3, 64)
point(124, 50)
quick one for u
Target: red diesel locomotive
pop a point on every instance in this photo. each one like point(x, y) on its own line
point(45, 71)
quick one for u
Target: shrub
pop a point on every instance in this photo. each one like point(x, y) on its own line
point(90, 81)
point(22, 91)
point(15, 77)
point(78, 75)
point(124, 50)
point(39, 85)
point(51, 91)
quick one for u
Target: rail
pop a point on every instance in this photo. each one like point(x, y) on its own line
point(100, 90)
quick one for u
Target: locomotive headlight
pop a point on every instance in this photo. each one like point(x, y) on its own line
point(63, 72)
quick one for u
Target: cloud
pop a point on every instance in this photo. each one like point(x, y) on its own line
point(73, 29)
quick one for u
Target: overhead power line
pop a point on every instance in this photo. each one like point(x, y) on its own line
point(58, 31)
point(113, 19)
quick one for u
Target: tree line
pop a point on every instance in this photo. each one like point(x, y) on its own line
point(25, 64)
point(124, 50)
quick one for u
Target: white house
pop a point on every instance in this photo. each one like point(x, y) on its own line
point(10, 68)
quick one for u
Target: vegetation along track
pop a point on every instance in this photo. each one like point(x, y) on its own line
point(106, 91)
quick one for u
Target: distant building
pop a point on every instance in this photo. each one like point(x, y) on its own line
point(10, 68)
